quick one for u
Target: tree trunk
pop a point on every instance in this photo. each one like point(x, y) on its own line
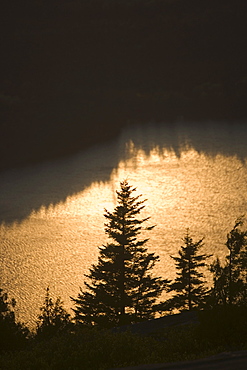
point(189, 286)
point(122, 288)
point(230, 278)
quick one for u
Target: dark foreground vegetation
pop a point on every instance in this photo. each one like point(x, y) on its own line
point(74, 72)
point(218, 330)
point(122, 291)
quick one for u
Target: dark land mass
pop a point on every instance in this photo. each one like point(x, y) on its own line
point(182, 341)
point(73, 73)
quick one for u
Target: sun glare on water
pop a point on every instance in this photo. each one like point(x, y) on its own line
point(56, 245)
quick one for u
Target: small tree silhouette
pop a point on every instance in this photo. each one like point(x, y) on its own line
point(189, 285)
point(230, 285)
point(53, 318)
point(13, 334)
point(121, 288)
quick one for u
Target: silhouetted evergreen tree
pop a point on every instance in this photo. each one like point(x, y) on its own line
point(13, 334)
point(121, 288)
point(189, 285)
point(230, 285)
point(53, 317)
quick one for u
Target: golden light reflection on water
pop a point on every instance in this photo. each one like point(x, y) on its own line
point(205, 194)
point(55, 246)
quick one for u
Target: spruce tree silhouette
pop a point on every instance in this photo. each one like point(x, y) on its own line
point(121, 288)
point(189, 285)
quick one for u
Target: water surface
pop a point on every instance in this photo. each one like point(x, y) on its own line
point(193, 176)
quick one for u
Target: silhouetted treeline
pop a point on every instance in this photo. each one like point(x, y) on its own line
point(121, 289)
point(73, 72)
point(60, 341)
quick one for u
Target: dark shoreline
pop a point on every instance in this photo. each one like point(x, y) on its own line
point(16, 153)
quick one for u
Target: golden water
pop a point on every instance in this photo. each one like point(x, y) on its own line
point(52, 214)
